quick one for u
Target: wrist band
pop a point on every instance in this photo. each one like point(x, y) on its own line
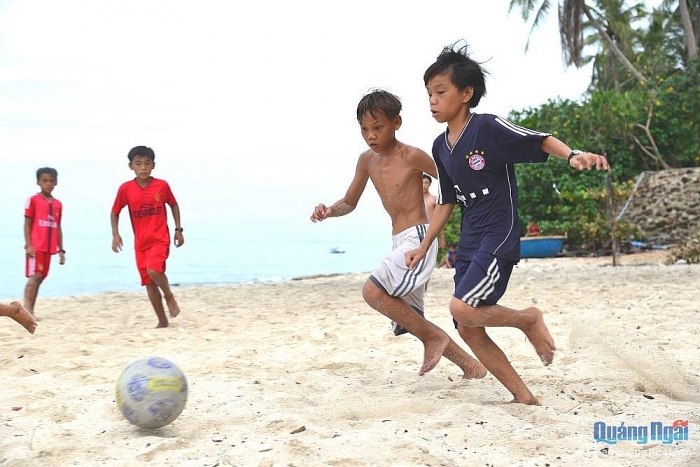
point(178, 229)
point(62, 251)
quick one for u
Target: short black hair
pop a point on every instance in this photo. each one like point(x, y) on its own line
point(378, 100)
point(454, 61)
point(141, 151)
point(48, 171)
point(428, 177)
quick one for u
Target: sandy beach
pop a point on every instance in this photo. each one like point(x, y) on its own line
point(304, 373)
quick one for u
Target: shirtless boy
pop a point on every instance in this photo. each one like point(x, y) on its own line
point(396, 171)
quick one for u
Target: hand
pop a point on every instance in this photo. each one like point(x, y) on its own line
point(31, 252)
point(117, 243)
point(179, 239)
point(589, 160)
point(320, 213)
point(61, 258)
point(413, 257)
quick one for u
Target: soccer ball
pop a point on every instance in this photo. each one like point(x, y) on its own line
point(151, 392)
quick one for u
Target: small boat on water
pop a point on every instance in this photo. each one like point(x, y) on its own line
point(541, 247)
point(337, 250)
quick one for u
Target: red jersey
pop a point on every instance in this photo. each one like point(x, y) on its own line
point(149, 219)
point(46, 220)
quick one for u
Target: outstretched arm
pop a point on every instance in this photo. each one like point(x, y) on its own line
point(580, 161)
point(347, 203)
point(441, 215)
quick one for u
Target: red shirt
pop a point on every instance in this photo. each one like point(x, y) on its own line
point(149, 219)
point(46, 220)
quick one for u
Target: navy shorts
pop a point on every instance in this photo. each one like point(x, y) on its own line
point(483, 280)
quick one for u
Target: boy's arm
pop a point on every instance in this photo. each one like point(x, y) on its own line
point(61, 251)
point(441, 215)
point(28, 237)
point(347, 203)
point(577, 159)
point(179, 237)
point(420, 160)
point(117, 242)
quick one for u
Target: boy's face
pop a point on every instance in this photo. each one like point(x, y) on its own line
point(142, 167)
point(426, 185)
point(379, 131)
point(47, 182)
point(446, 101)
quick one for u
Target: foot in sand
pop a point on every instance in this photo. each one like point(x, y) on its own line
point(532, 400)
point(23, 317)
point(539, 336)
point(473, 369)
point(433, 350)
point(173, 308)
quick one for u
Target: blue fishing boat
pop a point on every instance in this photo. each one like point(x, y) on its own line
point(541, 247)
point(337, 251)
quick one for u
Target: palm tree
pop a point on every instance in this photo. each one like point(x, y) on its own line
point(575, 16)
point(690, 20)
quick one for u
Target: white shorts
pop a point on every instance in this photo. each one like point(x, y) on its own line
point(393, 276)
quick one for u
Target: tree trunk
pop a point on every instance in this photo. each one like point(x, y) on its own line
point(614, 49)
point(688, 28)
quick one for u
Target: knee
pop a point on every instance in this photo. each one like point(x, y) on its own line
point(370, 292)
point(464, 314)
point(34, 280)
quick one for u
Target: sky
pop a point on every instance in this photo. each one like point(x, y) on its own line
point(249, 106)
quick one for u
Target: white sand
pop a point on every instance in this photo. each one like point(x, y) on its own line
point(306, 374)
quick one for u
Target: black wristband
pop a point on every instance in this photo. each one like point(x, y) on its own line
point(573, 153)
point(62, 251)
point(178, 229)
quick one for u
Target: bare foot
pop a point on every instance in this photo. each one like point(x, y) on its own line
point(433, 350)
point(532, 400)
point(23, 317)
point(162, 324)
point(473, 369)
point(539, 336)
point(173, 308)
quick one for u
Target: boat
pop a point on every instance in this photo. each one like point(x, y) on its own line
point(541, 247)
point(337, 250)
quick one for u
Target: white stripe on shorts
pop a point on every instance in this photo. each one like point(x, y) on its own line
point(485, 287)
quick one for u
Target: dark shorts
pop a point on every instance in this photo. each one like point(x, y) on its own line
point(483, 280)
point(153, 258)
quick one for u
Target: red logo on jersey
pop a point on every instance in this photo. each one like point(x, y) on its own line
point(156, 197)
point(477, 161)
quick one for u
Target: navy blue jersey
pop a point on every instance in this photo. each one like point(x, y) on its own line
point(478, 174)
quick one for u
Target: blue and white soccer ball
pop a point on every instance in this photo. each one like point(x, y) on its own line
point(151, 392)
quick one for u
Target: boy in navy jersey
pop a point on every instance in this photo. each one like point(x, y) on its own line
point(146, 198)
point(396, 170)
point(475, 158)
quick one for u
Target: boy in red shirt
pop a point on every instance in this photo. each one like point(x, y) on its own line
point(43, 236)
point(146, 197)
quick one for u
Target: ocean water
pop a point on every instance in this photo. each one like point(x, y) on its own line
point(205, 259)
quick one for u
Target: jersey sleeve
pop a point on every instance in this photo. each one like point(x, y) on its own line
point(120, 200)
point(515, 143)
point(169, 197)
point(29, 208)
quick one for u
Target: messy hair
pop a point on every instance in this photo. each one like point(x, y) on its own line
point(379, 100)
point(455, 62)
point(48, 171)
point(141, 151)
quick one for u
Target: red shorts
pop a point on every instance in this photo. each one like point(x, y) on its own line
point(153, 258)
point(38, 265)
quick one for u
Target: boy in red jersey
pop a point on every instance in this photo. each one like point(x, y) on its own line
point(43, 236)
point(16, 311)
point(146, 197)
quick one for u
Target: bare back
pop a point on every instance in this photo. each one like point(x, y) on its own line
point(398, 179)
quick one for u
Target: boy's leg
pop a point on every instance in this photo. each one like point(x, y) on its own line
point(157, 303)
point(36, 269)
point(161, 280)
point(16, 311)
point(435, 341)
point(31, 290)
